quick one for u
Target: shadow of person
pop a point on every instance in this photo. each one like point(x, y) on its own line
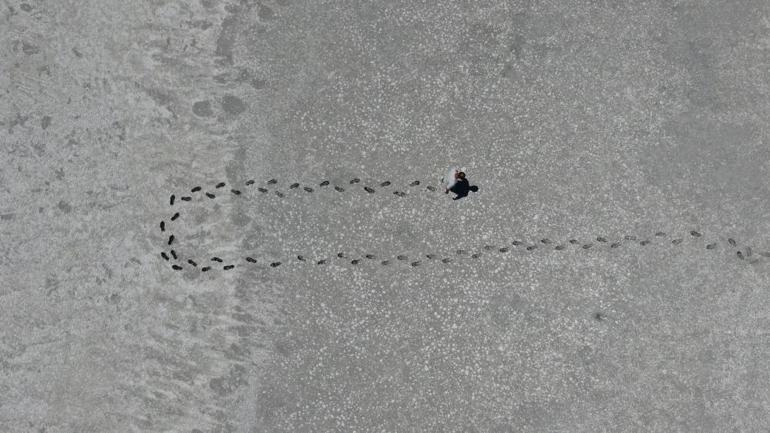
point(462, 187)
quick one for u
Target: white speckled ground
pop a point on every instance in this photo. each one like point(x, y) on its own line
point(577, 120)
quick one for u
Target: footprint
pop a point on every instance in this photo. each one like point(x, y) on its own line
point(385, 262)
point(279, 194)
point(339, 188)
point(354, 262)
point(176, 267)
point(250, 182)
point(272, 182)
point(320, 262)
point(399, 193)
point(171, 199)
point(260, 189)
point(341, 255)
point(216, 259)
point(742, 254)
point(228, 267)
point(205, 268)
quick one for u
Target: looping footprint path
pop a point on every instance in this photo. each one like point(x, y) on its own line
point(179, 261)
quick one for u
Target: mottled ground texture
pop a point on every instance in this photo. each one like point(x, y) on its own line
point(637, 122)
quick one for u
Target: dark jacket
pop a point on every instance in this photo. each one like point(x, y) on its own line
point(461, 188)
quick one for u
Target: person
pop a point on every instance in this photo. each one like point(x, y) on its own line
point(461, 186)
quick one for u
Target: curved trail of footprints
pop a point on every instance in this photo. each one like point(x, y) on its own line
point(178, 262)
